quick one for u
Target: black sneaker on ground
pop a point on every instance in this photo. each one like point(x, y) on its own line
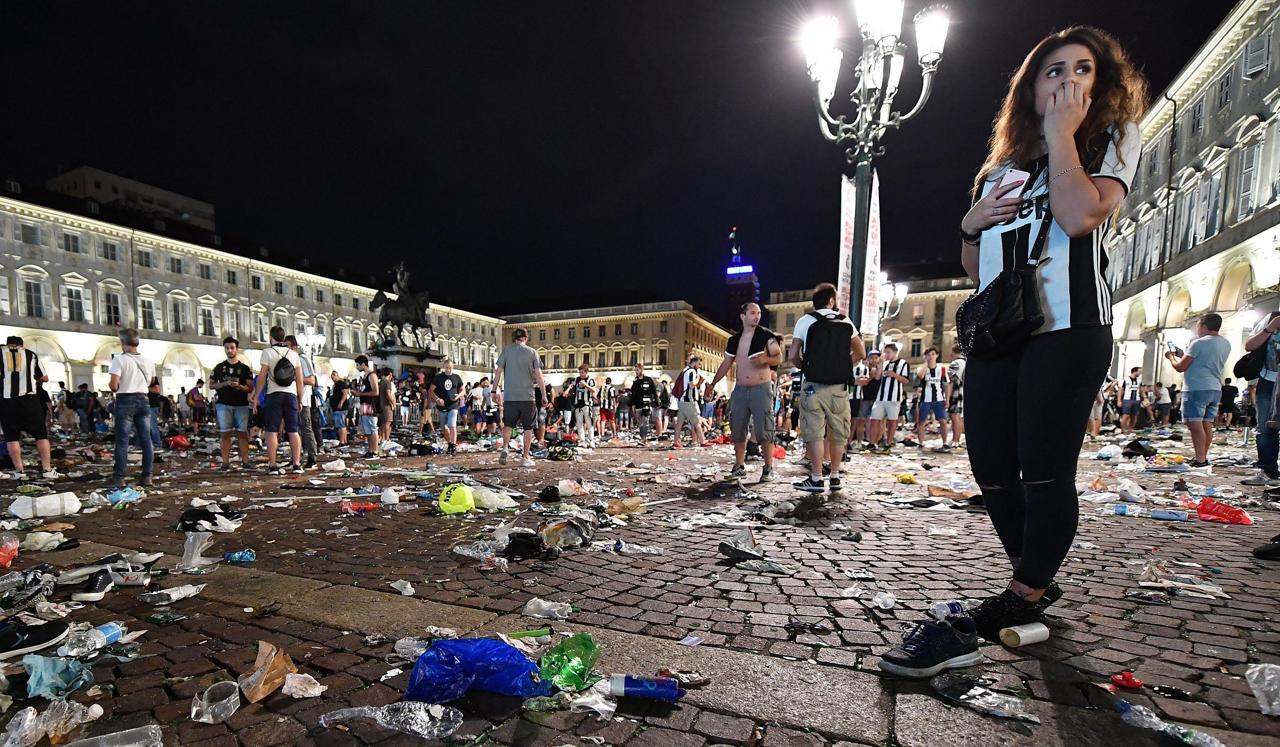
point(766, 475)
point(18, 640)
point(95, 588)
point(275, 469)
point(1052, 593)
point(931, 647)
point(810, 484)
point(737, 473)
point(1004, 610)
point(834, 484)
point(296, 469)
point(311, 463)
point(1198, 463)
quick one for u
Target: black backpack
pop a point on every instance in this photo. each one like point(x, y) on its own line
point(826, 350)
point(284, 372)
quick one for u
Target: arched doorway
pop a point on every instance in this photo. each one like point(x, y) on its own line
point(1179, 303)
point(181, 370)
point(52, 362)
point(1234, 289)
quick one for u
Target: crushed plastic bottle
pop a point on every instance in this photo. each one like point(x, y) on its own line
point(943, 610)
point(423, 720)
point(8, 548)
point(1144, 718)
point(60, 719)
point(570, 662)
point(169, 596)
point(217, 703)
point(240, 556)
point(143, 736)
point(88, 641)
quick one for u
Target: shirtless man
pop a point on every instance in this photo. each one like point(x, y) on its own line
point(756, 351)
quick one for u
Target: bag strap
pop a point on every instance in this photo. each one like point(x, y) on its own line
point(1042, 238)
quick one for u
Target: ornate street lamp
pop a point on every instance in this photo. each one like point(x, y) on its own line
point(878, 71)
point(311, 342)
point(891, 297)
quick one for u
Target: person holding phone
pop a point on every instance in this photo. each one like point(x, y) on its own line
point(1266, 335)
point(1070, 121)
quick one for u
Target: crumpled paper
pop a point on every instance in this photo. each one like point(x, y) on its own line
point(269, 672)
point(302, 686)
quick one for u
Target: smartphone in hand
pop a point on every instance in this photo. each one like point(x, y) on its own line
point(1015, 175)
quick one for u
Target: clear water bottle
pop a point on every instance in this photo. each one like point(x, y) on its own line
point(943, 610)
point(143, 736)
point(1127, 509)
point(1144, 718)
point(87, 641)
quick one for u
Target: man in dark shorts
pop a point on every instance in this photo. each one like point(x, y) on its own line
point(445, 393)
point(20, 408)
point(522, 368)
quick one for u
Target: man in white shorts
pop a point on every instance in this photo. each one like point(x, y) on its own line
point(894, 376)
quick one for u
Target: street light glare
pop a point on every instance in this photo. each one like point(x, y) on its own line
point(879, 20)
point(818, 39)
point(931, 34)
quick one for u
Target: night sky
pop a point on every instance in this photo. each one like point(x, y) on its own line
point(525, 155)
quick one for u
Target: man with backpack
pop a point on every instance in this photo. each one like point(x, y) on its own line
point(306, 404)
point(280, 376)
point(756, 351)
point(688, 387)
point(825, 346)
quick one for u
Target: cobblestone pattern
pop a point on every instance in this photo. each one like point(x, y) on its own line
point(1201, 647)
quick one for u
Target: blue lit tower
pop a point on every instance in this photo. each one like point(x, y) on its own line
point(740, 280)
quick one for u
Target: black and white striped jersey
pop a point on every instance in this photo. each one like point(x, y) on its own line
point(931, 384)
point(892, 390)
point(20, 370)
point(1072, 275)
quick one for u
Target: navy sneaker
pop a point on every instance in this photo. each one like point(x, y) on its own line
point(810, 484)
point(931, 647)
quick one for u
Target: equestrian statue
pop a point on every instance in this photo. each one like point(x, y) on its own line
point(407, 309)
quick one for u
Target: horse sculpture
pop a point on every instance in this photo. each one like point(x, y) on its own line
point(407, 309)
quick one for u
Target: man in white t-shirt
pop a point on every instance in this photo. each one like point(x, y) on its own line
point(280, 374)
point(688, 406)
point(306, 413)
point(131, 376)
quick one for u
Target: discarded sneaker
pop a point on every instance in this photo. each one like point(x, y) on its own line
point(95, 588)
point(931, 647)
point(18, 640)
point(1004, 610)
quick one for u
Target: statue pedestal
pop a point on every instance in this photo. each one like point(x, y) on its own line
point(401, 358)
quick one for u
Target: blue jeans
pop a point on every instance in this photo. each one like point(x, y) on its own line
point(155, 427)
point(1268, 440)
point(133, 413)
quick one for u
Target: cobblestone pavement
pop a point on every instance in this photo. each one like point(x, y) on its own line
point(643, 603)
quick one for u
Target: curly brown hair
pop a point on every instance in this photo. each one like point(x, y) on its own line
point(1119, 97)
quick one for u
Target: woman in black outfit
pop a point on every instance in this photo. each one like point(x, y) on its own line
point(1070, 121)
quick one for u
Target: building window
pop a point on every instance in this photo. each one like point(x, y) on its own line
point(662, 356)
point(175, 265)
point(261, 326)
point(1187, 219)
point(572, 331)
point(600, 359)
point(337, 299)
point(635, 328)
point(147, 314)
point(233, 321)
point(208, 325)
point(144, 258)
point(205, 272)
point(109, 250)
point(1153, 162)
point(1248, 181)
point(279, 287)
point(111, 309)
point(602, 331)
point(355, 303)
point(542, 335)
point(617, 359)
point(4, 295)
point(555, 334)
point(573, 360)
point(617, 330)
point(1213, 217)
point(586, 332)
point(1223, 88)
point(1197, 117)
point(917, 312)
point(73, 309)
point(232, 278)
point(300, 292)
point(555, 361)
point(71, 243)
point(791, 321)
point(179, 317)
point(339, 338)
point(319, 295)
point(662, 327)
point(255, 282)
point(34, 301)
point(916, 347)
point(634, 357)
point(29, 234)
point(1258, 54)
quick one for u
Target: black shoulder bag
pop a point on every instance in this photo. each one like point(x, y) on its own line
point(1000, 318)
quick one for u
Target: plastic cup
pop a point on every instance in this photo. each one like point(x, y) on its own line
point(217, 703)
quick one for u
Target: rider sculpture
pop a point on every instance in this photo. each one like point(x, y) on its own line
point(407, 309)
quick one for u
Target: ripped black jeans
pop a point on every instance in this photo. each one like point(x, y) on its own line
point(1024, 418)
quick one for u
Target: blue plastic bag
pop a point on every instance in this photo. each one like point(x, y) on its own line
point(450, 668)
point(50, 677)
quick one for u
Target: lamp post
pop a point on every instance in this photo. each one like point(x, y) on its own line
point(891, 297)
point(878, 72)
